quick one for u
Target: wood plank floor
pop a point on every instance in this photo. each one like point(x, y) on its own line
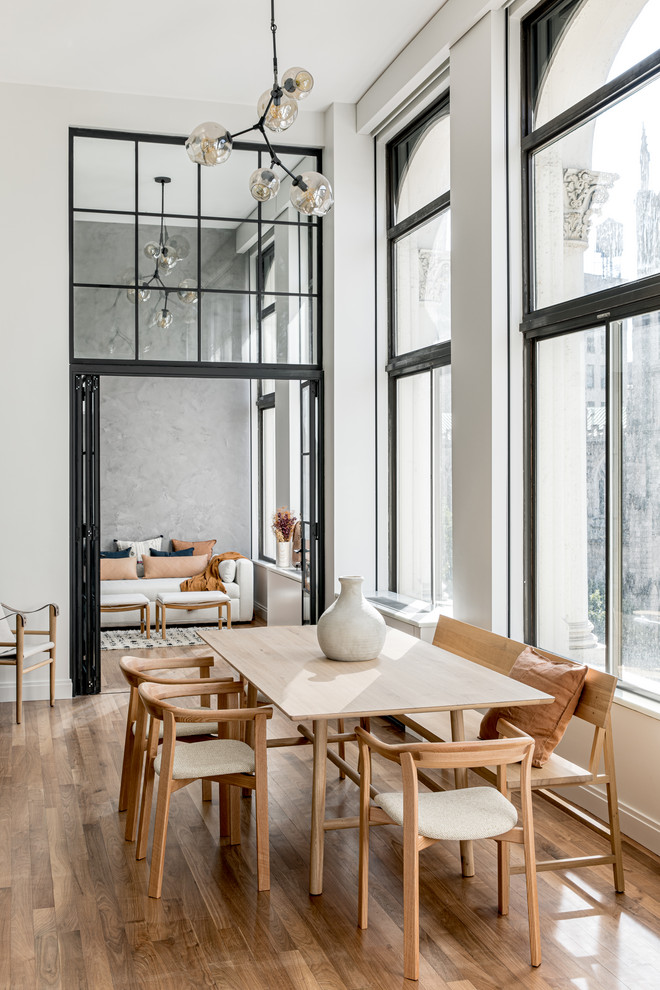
point(74, 911)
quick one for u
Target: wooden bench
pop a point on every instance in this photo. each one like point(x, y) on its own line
point(594, 707)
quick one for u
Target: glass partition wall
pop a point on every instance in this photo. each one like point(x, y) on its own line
point(236, 294)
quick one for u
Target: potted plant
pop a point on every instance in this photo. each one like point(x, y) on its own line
point(283, 523)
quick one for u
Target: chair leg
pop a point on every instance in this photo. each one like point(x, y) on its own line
point(363, 874)
point(410, 906)
point(148, 612)
point(263, 841)
point(503, 876)
point(157, 625)
point(19, 690)
point(52, 679)
point(160, 836)
point(135, 774)
point(341, 747)
point(530, 879)
point(145, 804)
point(129, 742)
point(234, 816)
point(225, 818)
point(163, 615)
point(613, 812)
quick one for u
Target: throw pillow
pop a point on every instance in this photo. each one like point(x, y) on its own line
point(170, 553)
point(227, 570)
point(174, 567)
point(139, 548)
point(201, 547)
point(119, 569)
point(546, 723)
point(115, 553)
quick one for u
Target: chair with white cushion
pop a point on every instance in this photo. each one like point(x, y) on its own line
point(227, 760)
point(13, 651)
point(173, 670)
point(467, 813)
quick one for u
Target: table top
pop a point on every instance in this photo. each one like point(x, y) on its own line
point(287, 665)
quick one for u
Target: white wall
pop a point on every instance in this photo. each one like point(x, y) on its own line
point(34, 348)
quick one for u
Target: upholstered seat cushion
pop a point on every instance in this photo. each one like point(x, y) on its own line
point(8, 653)
point(191, 597)
point(467, 813)
point(116, 601)
point(210, 758)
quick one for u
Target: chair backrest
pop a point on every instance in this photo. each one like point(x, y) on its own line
point(499, 653)
point(137, 670)
point(452, 755)
point(6, 634)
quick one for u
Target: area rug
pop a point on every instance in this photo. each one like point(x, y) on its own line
point(130, 639)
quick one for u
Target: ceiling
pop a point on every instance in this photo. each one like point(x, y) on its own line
point(205, 49)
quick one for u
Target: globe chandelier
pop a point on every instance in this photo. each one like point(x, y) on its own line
point(165, 254)
point(211, 143)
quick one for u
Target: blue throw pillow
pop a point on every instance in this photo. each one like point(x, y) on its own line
point(171, 553)
point(116, 553)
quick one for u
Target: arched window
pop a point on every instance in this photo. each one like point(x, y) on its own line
point(591, 166)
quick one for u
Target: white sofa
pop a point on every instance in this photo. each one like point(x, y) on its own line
point(240, 591)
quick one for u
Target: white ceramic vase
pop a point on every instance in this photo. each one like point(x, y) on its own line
point(351, 629)
point(283, 553)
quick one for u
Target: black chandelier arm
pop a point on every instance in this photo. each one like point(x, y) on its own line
point(247, 130)
point(273, 28)
point(274, 160)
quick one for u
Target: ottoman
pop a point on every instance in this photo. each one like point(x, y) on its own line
point(128, 603)
point(189, 600)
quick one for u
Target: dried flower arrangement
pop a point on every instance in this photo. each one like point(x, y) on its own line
point(283, 523)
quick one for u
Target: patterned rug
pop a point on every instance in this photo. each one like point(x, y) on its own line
point(130, 639)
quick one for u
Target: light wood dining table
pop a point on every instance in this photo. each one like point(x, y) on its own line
point(286, 664)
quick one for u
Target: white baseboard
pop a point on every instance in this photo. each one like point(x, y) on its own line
point(261, 611)
point(633, 823)
point(37, 690)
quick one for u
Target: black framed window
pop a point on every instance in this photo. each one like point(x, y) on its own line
point(223, 308)
point(419, 372)
point(591, 160)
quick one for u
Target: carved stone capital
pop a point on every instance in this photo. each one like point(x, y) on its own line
point(585, 192)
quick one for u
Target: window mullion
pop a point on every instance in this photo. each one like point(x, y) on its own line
point(432, 473)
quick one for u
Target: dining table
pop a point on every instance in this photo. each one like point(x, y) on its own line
point(286, 665)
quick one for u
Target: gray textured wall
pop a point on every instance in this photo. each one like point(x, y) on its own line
point(175, 459)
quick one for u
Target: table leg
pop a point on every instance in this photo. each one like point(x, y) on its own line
point(460, 779)
point(320, 750)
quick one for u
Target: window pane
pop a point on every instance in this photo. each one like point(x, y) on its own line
point(596, 211)
point(228, 325)
point(413, 473)
point(623, 34)
point(640, 502)
point(420, 165)
point(103, 174)
point(104, 321)
point(180, 238)
point(422, 285)
point(442, 506)
point(268, 503)
point(170, 160)
point(570, 499)
point(225, 189)
point(229, 252)
point(176, 342)
point(103, 248)
point(289, 329)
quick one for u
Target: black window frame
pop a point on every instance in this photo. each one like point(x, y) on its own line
point(607, 307)
point(422, 360)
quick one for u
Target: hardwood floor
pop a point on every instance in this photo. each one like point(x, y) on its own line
point(74, 911)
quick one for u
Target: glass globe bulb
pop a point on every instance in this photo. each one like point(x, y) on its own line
point(163, 319)
point(264, 184)
point(209, 144)
point(166, 262)
point(316, 199)
point(179, 247)
point(152, 250)
point(278, 118)
point(143, 293)
point(297, 82)
point(187, 291)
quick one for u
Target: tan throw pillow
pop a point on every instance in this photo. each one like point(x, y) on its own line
point(174, 567)
point(546, 723)
point(202, 546)
point(118, 568)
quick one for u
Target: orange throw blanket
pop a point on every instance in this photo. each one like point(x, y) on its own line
point(209, 579)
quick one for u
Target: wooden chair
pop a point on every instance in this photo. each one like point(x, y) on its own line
point(467, 813)
point(137, 670)
point(227, 760)
point(594, 708)
point(14, 654)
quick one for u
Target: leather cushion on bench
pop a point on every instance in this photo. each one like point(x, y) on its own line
point(545, 723)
